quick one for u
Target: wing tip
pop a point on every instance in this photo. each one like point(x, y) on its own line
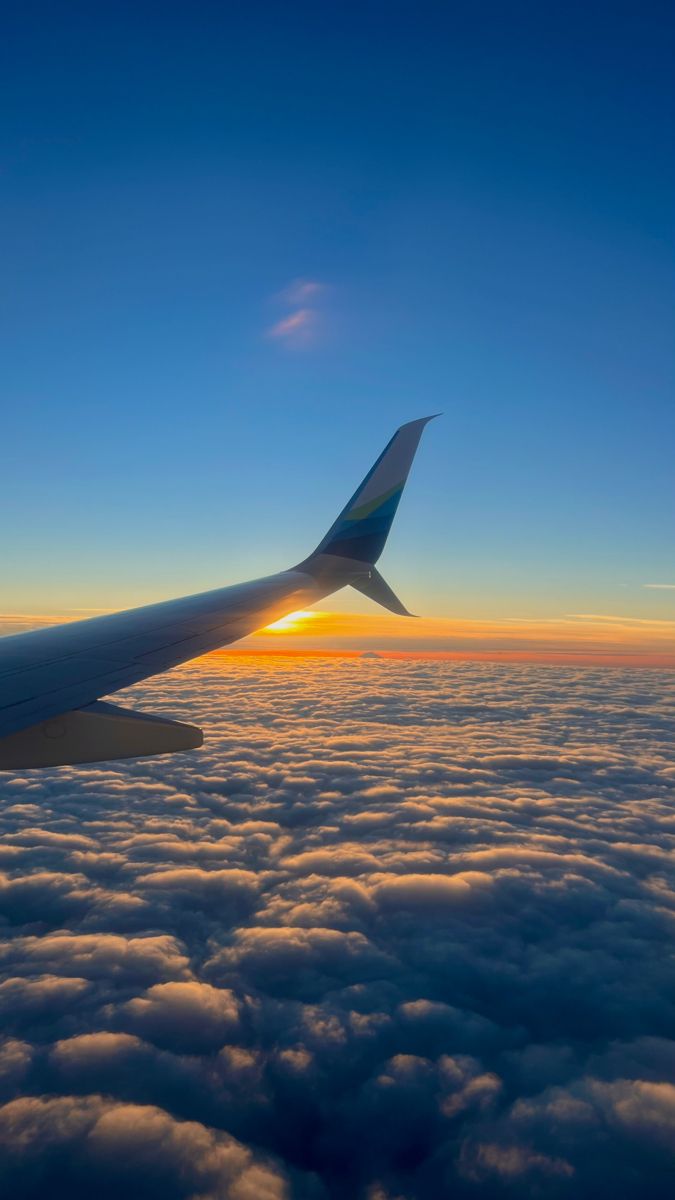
point(419, 422)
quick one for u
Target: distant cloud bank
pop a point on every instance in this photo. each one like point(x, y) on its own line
point(402, 929)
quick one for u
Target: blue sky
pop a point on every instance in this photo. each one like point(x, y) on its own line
point(484, 200)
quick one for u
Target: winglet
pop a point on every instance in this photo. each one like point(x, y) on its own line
point(361, 530)
point(376, 588)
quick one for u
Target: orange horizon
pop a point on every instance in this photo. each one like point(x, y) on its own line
point(591, 639)
point(543, 657)
point(586, 639)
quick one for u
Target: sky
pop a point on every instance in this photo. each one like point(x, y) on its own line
point(401, 930)
point(241, 243)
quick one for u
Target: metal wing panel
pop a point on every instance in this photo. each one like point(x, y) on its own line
point(50, 671)
point(95, 733)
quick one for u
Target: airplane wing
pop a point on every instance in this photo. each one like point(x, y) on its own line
point(52, 680)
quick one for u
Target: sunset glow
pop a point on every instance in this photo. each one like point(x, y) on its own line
point(295, 622)
point(584, 637)
point(573, 638)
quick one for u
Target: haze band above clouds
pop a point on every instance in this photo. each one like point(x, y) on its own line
point(587, 637)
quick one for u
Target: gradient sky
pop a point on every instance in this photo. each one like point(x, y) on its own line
point(241, 243)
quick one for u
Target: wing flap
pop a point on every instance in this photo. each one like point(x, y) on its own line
point(98, 733)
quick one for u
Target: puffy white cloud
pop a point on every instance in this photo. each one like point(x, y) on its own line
point(429, 891)
point(104, 956)
point(188, 1016)
point(16, 1058)
point(138, 1147)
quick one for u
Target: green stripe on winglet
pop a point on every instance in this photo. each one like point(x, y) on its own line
point(364, 510)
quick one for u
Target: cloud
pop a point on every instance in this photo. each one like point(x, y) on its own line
point(429, 892)
point(299, 328)
point(188, 1016)
point(108, 956)
point(299, 962)
point(295, 329)
point(198, 887)
point(69, 1142)
point(301, 291)
point(510, 1164)
point(402, 928)
point(26, 1000)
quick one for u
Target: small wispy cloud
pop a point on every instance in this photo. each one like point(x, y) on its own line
point(617, 619)
point(296, 328)
point(301, 291)
point(299, 328)
point(661, 587)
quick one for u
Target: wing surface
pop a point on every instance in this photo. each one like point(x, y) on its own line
point(54, 670)
point(63, 671)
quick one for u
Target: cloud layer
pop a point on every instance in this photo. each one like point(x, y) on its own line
point(403, 929)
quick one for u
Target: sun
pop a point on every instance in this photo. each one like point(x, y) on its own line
point(294, 622)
